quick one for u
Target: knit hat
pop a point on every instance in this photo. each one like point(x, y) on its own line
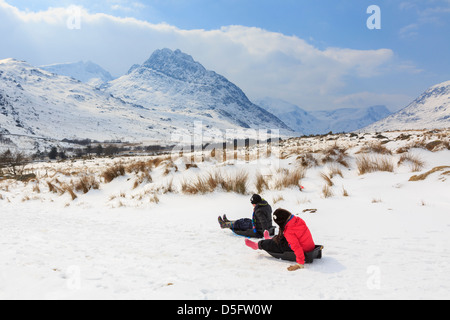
point(281, 216)
point(256, 198)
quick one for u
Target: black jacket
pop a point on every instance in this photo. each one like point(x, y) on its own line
point(262, 217)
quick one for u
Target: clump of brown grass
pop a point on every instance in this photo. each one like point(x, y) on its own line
point(236, 183)
point(154, 198)
point(336, 153)
point(69, 190)
point(375, 147)
point(261, 183)
point(203, 184)
point(36, 188)
point(198, 185)
point(113, 172)
point(335, 171)
point(85, 184)
point(290, 178)
point(344, 192)
point(368, 164)
point(52, 188)
point(327, 179)
point(141, 178)
point(426, 174)
point(416, 163)
point(156, 162)
point(307, 160)
point(191, 165)
point(402, 150)
point(327, 192)
point(169, 166)
point(138, 166)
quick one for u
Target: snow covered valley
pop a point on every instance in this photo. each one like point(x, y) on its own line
point(146, 227)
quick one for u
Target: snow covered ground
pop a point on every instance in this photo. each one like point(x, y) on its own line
point(386, 238)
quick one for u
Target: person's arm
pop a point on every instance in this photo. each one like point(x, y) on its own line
point(261, 220)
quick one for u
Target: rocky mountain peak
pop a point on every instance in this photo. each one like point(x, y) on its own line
point(175, 64)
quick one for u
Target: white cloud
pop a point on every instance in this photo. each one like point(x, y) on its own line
point(262, 63)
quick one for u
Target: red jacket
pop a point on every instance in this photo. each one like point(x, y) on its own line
point(299, 238)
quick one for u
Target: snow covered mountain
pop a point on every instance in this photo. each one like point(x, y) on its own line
point(180, 91)
point(320, 122)
point(87, 72)
point(295, 117)
point(350, 119)
point(35, 102)
point(429, 111)
point(168, 93)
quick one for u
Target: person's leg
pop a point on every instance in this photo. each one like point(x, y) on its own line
point(248, 234)
point(271, 245)
point(242, 225)
point(267, 245)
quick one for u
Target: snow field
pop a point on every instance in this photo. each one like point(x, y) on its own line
point(388, 239)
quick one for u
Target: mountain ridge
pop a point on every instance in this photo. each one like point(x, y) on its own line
point(174, 84)
point(323, 121)
point(87, 72)
point(431, 110)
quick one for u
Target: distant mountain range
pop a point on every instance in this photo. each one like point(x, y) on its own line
point(321, 122)
point(169, 93)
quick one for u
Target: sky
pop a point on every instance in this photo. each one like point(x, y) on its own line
point(319, 55)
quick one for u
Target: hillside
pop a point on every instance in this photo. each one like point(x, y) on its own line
point(87, 72)
point(35, 102)
point(431, 110)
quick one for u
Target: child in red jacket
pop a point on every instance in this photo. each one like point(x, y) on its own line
point(294, 236)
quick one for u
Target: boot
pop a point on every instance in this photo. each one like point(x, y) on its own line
point(224, 224)
point(251, 244)
point(225, 218)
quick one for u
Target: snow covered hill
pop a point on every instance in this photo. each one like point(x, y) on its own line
point(321, 122)
point(87, 72)
point(429, 111)
point(180, 90)
point(35, 102)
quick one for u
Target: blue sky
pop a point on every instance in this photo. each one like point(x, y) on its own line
point(414, 36)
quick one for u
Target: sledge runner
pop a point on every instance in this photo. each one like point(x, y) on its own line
point(294, 236)
point(255, 227)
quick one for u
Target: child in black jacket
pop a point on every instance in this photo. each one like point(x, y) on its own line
point(255, 227)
